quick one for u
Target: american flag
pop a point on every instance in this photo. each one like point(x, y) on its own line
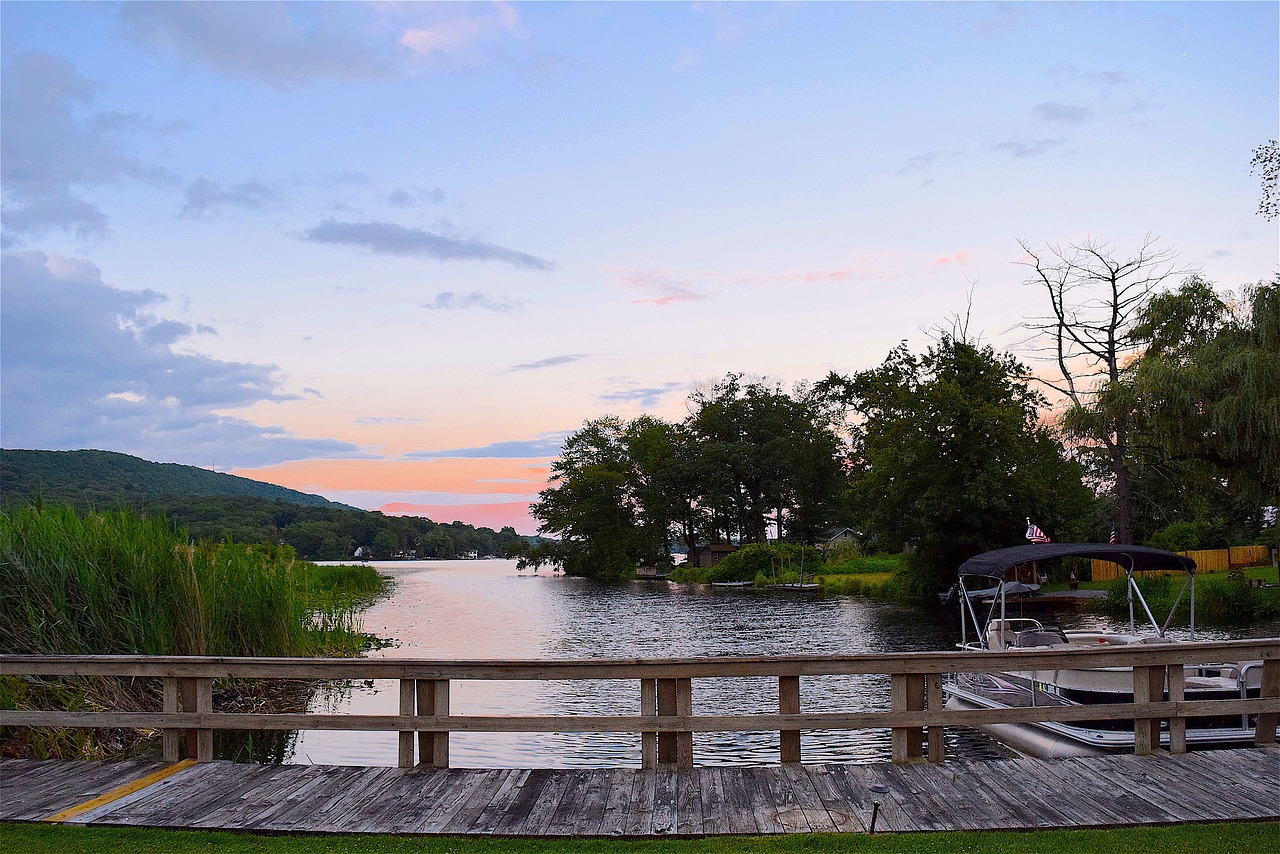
point(1115, 537)
point(1036, 535)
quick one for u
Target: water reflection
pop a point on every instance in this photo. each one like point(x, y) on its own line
point(486, 610)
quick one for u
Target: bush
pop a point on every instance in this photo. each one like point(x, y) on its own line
point(771, 560)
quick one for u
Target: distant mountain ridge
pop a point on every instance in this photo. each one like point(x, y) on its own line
point(105, 479)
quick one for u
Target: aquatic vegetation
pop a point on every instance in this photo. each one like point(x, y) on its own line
point(120, 583)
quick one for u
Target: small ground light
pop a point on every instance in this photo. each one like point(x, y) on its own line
point(879, 789)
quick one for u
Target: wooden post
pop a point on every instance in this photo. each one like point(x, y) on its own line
point(1148, 687)
point(666, 706)
point(172, 738)
point(684, 708)
point(649, 708)
point(187, 703)
point(204, 706)
point(789, 704)
point(907, 695)
point(1177, 723)
point(433, 699)
point(408, 698)
point(934, 701)
point(1265, 732)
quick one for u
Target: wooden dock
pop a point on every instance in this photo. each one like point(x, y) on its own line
point(1228, 785)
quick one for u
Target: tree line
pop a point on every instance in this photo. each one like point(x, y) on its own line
point(1161, 425)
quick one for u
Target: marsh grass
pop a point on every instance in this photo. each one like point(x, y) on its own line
point(119, 583)
point(1220, 599)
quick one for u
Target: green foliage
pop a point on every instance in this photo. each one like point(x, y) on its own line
point(773, 561)
point(215, 506)
point(1186, 536)
point(747, 455)
point(950, 457)
point(101, 480)
point(842, 552)
point(765, 454)
point(1206, 401)
point(1220, 600)
point(118, 583)
point(863, 564)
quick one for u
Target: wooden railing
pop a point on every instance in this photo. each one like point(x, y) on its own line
point(666, 722)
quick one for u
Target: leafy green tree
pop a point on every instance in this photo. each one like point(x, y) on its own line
point(1207, 391)
point(766, 454)
point(949, 457)
point(591, 507)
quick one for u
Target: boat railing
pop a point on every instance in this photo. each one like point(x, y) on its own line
point(666, 723)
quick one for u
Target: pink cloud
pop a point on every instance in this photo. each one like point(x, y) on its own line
point(495, 516)
point(961, 258)
point(662, 288)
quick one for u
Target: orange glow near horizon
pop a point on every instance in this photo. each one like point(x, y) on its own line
point(495, 516)
point(477, 476)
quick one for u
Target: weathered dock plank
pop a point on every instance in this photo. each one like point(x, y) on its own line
point(968, 795)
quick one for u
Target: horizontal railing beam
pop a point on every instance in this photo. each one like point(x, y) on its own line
point(639, 723)
point(698, 668)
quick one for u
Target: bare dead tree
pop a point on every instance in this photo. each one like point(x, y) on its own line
point(1266, 163)
point(1094, 299)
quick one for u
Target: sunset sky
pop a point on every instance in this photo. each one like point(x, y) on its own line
point(392, 253)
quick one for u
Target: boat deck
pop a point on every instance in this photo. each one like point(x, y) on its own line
point(1226, 785)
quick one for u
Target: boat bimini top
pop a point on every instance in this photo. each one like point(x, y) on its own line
point(994, 565)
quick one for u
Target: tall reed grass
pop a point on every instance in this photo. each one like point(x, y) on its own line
point(119, 583)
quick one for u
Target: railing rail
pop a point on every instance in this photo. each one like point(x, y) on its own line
point(666, 722)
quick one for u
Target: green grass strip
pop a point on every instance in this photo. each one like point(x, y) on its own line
point(1235, 838)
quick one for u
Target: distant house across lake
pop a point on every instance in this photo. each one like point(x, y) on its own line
point(836, 536)
point(712, 554)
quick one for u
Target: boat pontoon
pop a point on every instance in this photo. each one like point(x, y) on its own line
point(984, 595)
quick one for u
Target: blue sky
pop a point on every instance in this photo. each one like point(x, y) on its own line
point(393, 252)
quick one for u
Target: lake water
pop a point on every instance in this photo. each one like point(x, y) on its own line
point(486, 609)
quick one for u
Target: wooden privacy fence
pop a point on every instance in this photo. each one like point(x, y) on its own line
point(1207, 561)
point(666, 722)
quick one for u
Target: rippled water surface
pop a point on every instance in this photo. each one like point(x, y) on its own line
point(486, 609)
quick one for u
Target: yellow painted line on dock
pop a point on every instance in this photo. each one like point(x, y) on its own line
point(123, 791)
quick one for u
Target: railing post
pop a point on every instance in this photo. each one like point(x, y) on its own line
point(934, 701)
point(433, 699)
point(408, 698)
point(204, 706)
point(675, 697)
point(1265, 732)
point(1177, 723)
point(195, 694)
point(907, 695)
point(666, 706)
point(684, 708)
point(171, 738)
point(1148, 687)
point(789, 704)
point(649, 708)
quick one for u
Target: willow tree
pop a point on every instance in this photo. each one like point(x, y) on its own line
point(1207, 387)
point(1095, 300)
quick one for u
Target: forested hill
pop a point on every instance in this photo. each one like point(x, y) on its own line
point(212, 506)
point(102, 480)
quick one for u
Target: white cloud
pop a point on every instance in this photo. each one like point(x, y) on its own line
point(86, 365)
point(52, 148)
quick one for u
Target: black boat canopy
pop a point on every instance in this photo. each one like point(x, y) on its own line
point(1140, 558)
